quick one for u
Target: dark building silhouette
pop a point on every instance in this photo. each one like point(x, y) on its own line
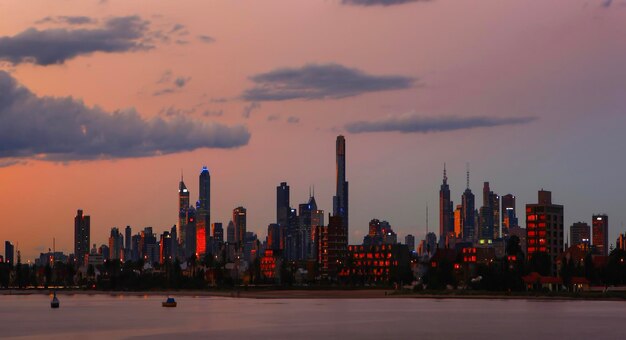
point(165, 248)
point(9, 253)
point(205, 194)
point(218, 232)
point(332, 241)
point(509, 214)
point(183, 207)
point(81, 236)
point(467, 213)
point(116, 244)
point(544, 228)
point(282, 205)
point(489, 215)
point(274, 237)
point(127, 241)
point(446, 210)
point(580, 235)
point(230, 233)
point(600, 235)
point(340, 200)
point(239, 220)
point(409, 240)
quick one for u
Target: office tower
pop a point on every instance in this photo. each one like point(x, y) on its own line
point(489, 215)
point(127, 236)
point(389, 236)
point(81, 236)
point(305, 228)
point(580, 235)
point(409, 240)
point(509, 214)
point(282, 204)
point(458, 221)
point(620, 243)
point(9, 253)
point(205, 194)
point(495, 207)
point(183, 207)
point(230, 233)
point(340, 200)
point(239, 220)
point(189, 228)
point(600, 235)
point(446, 213)
point(332, 241)
point(105, 251)
point(218, 232)
point(468, 212)
point(116, 241)
point(544, 228)
point(148, 245)
point(274, 239)
point(165, 247)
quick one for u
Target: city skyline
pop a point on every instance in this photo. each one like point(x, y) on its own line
point(530, 94)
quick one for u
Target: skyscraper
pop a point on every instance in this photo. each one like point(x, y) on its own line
point(9, 253)
point(340, 200)
point(282, 205)
point(458, 220)
point(509, 215)
point(580, 235)
point(81, 236)
point(544, 228)
point(127, 235)
point(239, 220)
point(446, 212)
point(600, 235)
point(205, 195)
point(230, 233)
point(489, 215)
point(409, 240)
point(116, 242)
point(218, 232)
point(183, 207)
point(467, 212)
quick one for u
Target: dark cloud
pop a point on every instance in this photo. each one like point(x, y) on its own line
point(55, 46)
point(293, 120)
point(177, 28)
point(315, 81)
point(206, 39)
point(174, 85)
point(213, 113)
point(64, 129)
point(417, 124)
point(607, 3)
point(273, 118)
point(247, 110)
point(377, 2)
point(181, 81)
point(69, 20)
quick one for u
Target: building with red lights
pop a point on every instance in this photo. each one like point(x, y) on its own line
point(385, 263)
point(332, 243)
point(600, 235)
point(544, 228)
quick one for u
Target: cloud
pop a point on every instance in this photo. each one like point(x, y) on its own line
point(293, 120)
point(206, 39)
point(315, 81)
point(607, 3)
point(377, 2)
point(177, 27)
point(55, 46)
point(247, 110)
point(69, 20)
point(174, 85)
point(181, 81)
point(65, 129)
point(213, 113)
point(416, 124)
point(273, 118)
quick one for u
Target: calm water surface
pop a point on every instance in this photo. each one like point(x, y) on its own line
point(111, 317)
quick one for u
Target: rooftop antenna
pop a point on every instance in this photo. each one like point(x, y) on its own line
point(445, 175)
point(313, 190)
point(467, 169)
point(181, 175)
point(310, 192)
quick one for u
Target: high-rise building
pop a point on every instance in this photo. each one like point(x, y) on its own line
point(81, 236)
point(509, 215)
point(183, 208)
point(127, 235)
point(116, 242)
point(409, 240)
point(165, 248)
point(230, 233)
point(282, 204)
point(9, 253)
point(218, 232)
point(239, 220)
point(446, 212)
point(600, 235)
point(340, 200)
point(458, 220)
point(620, 243)
point(274, 238)
point(467, 213)
point(332, 241)
point(544, 228)
point(580, 235)
point(489, 215)
point(190, 229)
point(205, 194)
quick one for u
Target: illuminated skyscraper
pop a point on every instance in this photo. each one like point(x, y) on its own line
point(81, 236)
point(183, 207)
point(509, 215)
point(580, 235)
point(544, 228)
point(205, 194)
point(458, 220)
point(446, 212)
point(239, 220)
point(601, 234)
point(340, 200)
point(467, 213)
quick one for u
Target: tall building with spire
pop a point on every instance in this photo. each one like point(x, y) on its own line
point(467, 211)
point(204, 196)
point(446, 211)
point(82, 226)
point(183, 208)
point(340, 200)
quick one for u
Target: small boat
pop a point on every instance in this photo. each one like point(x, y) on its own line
point(55, 302)
point(170, 302)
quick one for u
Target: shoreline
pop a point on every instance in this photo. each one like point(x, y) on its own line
point(315, 294)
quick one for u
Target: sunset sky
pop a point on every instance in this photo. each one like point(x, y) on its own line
point(103, 103)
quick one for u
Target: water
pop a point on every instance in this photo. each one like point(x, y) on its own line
point(111, 317)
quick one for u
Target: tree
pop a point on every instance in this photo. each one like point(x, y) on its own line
point(540, 262)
